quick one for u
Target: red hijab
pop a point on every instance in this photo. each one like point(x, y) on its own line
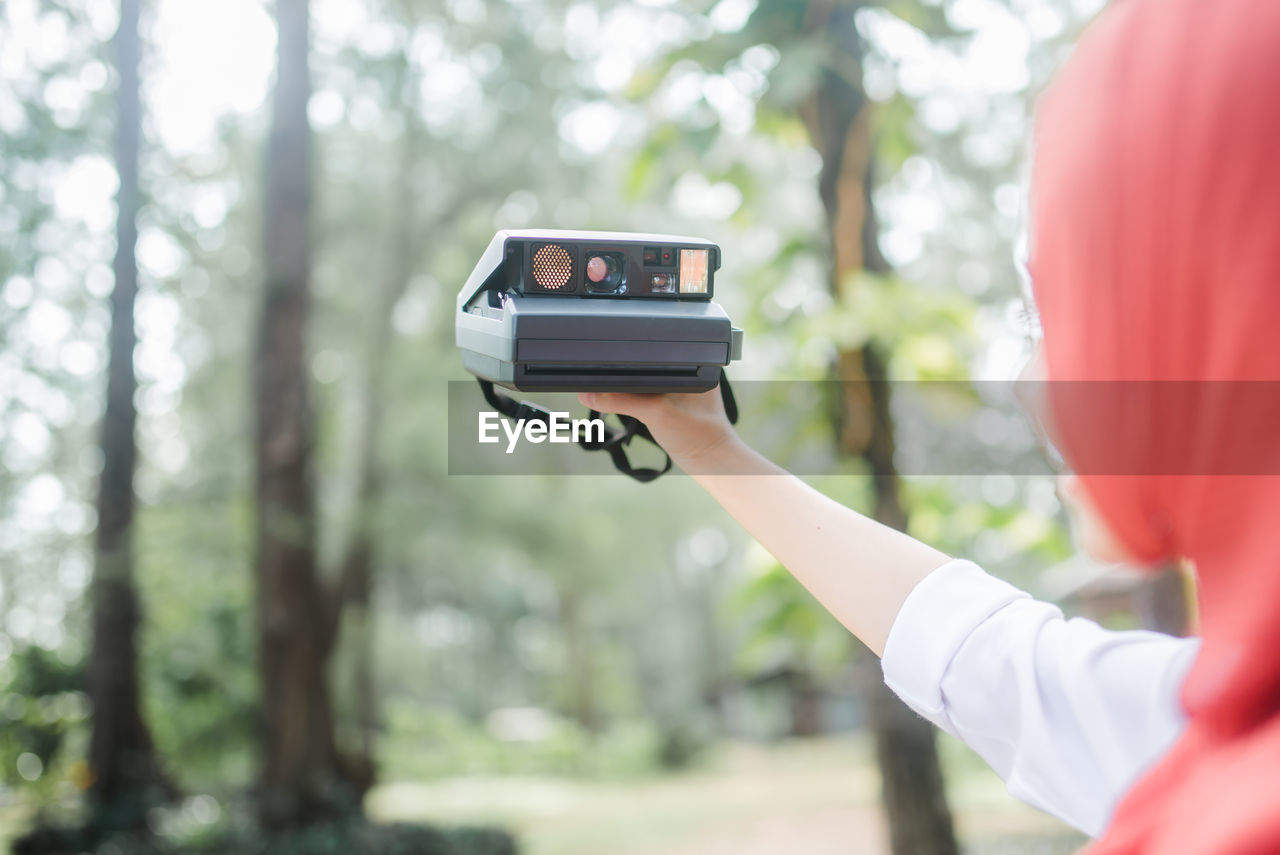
point(1155, 252)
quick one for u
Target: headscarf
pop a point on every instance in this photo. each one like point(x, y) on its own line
point(1155, 258)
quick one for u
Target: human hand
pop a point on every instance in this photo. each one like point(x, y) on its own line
point(691, 427)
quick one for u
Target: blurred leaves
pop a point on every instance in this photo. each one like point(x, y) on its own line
point(473, 572)
point(786, 628)
point(41, 709)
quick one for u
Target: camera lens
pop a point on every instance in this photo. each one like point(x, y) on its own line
point(597, 268)
point(604, 273)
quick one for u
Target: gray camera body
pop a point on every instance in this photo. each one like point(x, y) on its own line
point(579, 311)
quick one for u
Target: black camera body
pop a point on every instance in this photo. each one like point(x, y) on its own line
point(580, 311)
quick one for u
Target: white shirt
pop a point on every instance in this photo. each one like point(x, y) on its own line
point(1069, 714)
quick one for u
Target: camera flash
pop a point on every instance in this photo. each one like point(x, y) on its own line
point(662, 283)
point(552, 266)
point(693, 271)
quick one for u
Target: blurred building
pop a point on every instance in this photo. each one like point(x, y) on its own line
point(1122, 597)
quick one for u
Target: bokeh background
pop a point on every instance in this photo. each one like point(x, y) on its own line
point(285, 621)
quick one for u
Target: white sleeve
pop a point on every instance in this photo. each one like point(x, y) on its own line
point(1069, 714)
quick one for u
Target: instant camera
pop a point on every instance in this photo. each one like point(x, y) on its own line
point(581, 311)
point(570, 311)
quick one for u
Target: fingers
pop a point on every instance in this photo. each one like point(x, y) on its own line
point(622, 403)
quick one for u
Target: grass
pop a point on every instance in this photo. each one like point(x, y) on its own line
point(811, 798)
point(817, 797)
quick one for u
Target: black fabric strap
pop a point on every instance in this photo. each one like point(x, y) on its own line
point(615, 439)
point(615, 442)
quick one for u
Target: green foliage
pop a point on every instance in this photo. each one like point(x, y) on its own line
point(198, 650)
point(473, 575)
point(43, 708)
point(235, 835)
point(362, 837)
point(927, 334)
point(894, 127)
point(786, 627)
point(427, 744)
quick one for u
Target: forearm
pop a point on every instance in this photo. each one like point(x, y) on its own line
point(859, 569)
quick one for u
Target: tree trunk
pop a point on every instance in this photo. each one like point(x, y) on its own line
point(581, 662)
point(126, 776)
point(300, 779)
point(352, 616)
point(804, 697)
point(838, 120)
point(348, 613)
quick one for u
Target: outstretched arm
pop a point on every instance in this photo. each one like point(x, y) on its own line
point(860, 570)
point(1069, 714)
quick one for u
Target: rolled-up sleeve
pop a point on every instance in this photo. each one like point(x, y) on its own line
point(1069, 714)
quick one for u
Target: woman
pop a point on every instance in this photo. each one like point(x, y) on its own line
point(1155, 258)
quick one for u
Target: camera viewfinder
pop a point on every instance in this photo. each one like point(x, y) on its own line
point(662, 283)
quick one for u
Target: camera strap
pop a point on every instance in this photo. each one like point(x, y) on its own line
point(615, 439)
